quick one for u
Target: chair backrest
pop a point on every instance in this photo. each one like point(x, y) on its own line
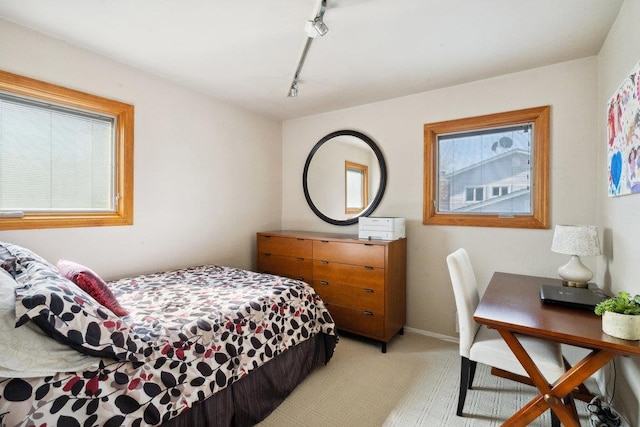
point(465, 291)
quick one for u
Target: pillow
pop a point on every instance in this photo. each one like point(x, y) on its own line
point(92, 284)
point(22, 349)
point(68, 314)
point(24, 256)
point(8, 261)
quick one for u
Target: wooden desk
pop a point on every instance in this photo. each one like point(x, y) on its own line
point(511, 304)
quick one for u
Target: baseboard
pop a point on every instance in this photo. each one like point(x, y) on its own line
point(432, 335)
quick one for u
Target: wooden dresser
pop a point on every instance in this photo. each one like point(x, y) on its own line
point(362, 282)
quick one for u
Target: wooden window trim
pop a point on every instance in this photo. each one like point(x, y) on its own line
point(540, 116)
point(365, 185)
point(124, 114)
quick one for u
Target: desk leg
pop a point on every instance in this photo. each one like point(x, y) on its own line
point(551, 397)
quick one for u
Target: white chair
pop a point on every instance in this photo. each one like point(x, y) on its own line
point(486, 346)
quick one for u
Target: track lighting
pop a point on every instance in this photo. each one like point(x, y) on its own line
point(317, 27)
point(293, 90)
point(314, 28)
point(320, 27)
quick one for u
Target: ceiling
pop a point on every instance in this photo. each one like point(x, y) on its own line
point(245, 52)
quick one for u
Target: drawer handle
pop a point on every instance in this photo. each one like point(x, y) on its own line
point(367, 267)
point(368, 244)
point(324, 262)
point(300, 278)
point(369, 291)
point(324, 282)
point(299, 238)
point(267, 254)
point(324, 241)
point(368, 313)
point(300, 259)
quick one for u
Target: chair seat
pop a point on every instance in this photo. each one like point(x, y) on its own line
point(490, 349)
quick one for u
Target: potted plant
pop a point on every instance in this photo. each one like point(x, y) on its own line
point(621, 316)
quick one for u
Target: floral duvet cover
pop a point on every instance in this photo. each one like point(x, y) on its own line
point(190, 333)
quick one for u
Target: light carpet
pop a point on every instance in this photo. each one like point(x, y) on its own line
point(414, 384)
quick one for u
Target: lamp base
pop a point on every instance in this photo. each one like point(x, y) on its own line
point(574, 273)
point(575, 284)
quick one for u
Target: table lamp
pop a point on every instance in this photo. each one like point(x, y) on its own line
point(577, 241)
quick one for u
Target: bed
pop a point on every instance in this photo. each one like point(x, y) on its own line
point(206, 345)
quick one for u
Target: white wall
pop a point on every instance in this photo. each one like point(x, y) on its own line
point(618, 218)
point(397, 126)
point(202, 168)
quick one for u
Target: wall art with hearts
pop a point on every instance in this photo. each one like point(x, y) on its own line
point(623, 136)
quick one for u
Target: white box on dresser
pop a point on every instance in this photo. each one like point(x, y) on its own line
point(390, 228)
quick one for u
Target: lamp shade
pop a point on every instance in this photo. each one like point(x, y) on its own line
point(580, 240)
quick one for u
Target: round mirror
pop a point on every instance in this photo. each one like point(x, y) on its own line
point(344, 177)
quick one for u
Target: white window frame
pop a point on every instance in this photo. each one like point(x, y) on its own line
point(475, 193)
point(499, 187)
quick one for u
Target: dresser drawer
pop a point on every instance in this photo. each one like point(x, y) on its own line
point(362, 282)
point(364, 299)
point(358, 321)
point(285, 246)
point(294, 268)
point(349, 253)
point(353, 275)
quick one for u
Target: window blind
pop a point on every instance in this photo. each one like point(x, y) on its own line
point(55, 159)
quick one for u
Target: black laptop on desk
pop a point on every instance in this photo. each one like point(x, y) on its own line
point(584, 298)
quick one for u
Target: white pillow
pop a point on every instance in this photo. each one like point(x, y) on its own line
point(27, 351)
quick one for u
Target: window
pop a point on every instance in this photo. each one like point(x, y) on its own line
point(474, 194)
point(489, 171)
point(499, 191)
point(66, 157)
point(357, 187)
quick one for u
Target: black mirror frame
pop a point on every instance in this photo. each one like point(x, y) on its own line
point(383, 177)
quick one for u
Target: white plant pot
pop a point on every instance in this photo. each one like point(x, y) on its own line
point(625, 326)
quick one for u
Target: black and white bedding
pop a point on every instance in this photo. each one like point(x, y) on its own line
point(190, 334)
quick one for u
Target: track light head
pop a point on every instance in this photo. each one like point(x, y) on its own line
point(320, 27)
point(293, 90)
point(317, 27)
